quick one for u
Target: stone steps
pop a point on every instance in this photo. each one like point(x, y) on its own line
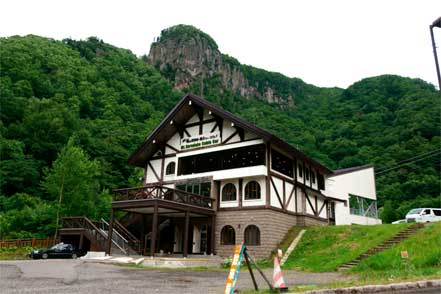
point(400, 236)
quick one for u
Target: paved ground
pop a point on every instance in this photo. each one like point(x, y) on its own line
point(77, 276)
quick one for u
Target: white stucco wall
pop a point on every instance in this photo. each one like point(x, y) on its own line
point(360, 183)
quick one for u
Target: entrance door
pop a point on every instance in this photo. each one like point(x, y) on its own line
point(196, 239)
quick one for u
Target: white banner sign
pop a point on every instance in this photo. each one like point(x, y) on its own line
point(200, 141)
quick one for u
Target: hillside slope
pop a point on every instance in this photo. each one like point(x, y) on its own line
point(108, 100)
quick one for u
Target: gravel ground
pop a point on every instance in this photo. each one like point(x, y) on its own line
point(77, 276)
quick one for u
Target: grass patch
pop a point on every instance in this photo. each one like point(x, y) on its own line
point(324, 249)
point(424, 249)
point(14, 253)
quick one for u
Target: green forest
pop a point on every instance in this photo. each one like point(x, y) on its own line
point(73, 111)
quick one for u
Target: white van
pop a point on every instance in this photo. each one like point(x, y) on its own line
point(424, 215)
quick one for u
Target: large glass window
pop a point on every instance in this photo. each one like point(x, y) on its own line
point(252, 235)
point(229, 192)
point(362, 206)
point(228, 236)
point(203, 189)
point(252, 190)
point(281, 163)
point(221, 160)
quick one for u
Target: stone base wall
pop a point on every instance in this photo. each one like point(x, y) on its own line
point(273, 226)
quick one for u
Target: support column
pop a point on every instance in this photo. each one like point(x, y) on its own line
point(154, 230)
point(109, 233)
point(187, 224)
point(80, 246)
point(213, 234)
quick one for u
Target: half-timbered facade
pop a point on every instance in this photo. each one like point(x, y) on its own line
point(212, 180)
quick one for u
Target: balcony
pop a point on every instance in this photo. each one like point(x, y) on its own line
point(157, 192)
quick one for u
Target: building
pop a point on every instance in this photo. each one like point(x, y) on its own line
point(213, 180)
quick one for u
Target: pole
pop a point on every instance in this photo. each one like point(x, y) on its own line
point(109, 233)
point(154, 229)
point(436, 57)
point(250, 270)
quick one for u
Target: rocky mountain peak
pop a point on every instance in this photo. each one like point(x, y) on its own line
point(186, 56)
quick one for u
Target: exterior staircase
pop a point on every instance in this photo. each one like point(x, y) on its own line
point(400, 236)
point(123, 242)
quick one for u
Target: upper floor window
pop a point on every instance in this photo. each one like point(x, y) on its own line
point(252, 235)
point(228, 236)
point(300, 170)
point(321, 181)
point(229, 192)
point(281, 163)
point(171, 167)
point(313, 176)
point(252, 190)
point(222, 160)
point(307, 173)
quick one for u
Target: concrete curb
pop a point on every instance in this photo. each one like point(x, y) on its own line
point(379, 288)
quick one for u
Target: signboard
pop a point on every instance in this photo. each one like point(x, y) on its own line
point(234, 269)
point(404, 254)
point(200, 141)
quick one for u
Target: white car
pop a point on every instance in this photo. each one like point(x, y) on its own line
point(424, 215)
point(401, 221)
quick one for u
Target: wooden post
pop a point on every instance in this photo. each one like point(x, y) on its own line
point(154, 229)
point(261, 272)
point(80, 246)
point(109, 233)
point(213, 234)
point(250, 270)
point(240, 192)
point(187, 224)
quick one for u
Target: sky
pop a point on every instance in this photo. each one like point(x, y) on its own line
point(323, 42)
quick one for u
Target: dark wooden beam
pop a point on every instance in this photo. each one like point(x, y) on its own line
point(284, 195)
point(277, 193)
point(321, 208)
point(240, 192)
point(268, 175)
point(154, 230)
point(229, 138)
point(154, 172)
point(213, 235)
point(290, 196)
point(187, 224)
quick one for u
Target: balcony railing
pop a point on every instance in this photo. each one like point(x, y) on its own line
point(164, 193)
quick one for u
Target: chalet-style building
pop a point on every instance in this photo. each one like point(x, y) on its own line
point(212, 180)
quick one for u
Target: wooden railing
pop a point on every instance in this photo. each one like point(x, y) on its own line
point(164, 193)
point(134, 243)
point(29, 242)
point(95, 234)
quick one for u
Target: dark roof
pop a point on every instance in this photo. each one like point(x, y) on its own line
point(182, 112)
point(351, 169)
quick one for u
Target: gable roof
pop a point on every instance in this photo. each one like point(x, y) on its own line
point(183, 111)
point(351, 169)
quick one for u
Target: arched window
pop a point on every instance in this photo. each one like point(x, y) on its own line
point(228, 236)
point(170, 170)
point(229, 192)
point(252, 235)
point(252, 190)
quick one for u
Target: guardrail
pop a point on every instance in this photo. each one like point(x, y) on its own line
point(164, 193)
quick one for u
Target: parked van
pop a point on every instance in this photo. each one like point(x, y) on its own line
point(424, 215)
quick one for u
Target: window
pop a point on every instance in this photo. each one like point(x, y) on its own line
point(313, 177)
point(437, 212)
point(321, 181)
point(300, 170)
point(228, 236)
point(252, 235)
point(252, 190)
point(281, 163)
point(427, 211)
point(362, 206)
point(307, 174)
point(221, 160)
point(170, 170)
point(229, 192)
point(203, 189)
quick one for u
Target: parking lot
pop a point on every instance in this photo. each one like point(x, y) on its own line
point(78, 276)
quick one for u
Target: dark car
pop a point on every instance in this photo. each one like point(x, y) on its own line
point(59, 250)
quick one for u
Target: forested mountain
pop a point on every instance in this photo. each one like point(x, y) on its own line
point(72, 112)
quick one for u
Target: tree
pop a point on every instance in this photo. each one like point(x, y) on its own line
point(73, 183)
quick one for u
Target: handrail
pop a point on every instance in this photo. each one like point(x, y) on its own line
point(124, 230)
point(117, 239)
point(90, 227)
point(164, 193)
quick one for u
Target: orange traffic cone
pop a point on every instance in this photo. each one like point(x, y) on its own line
point(278, 282)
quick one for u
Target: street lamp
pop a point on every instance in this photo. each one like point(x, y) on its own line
point(436, 23)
